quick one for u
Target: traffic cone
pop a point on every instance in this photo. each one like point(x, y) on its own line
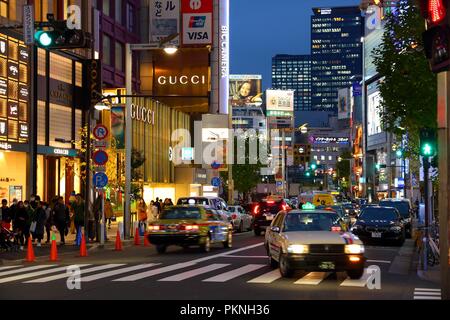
point(146, 242)
point(53, 250)
point(137, 239)
point(118, 242)
point(30, 251)
point(83, 251)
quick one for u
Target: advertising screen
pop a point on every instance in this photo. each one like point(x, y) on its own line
point(246, 90)
point(373, 114)
point(280, 100)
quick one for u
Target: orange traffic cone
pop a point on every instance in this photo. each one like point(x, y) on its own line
point(146, 242)
point(83, 251)
point(118, 242)
point(53, 250)
point(137, 238)
point(30, 251)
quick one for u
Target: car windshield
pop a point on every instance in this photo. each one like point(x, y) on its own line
point(308, 222)
point(370, 214)
point(401, 206)
point(191, 201)
point(181, 213)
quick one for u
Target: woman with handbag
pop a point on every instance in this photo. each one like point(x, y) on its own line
point(142, 215)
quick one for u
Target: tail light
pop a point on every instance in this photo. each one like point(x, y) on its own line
point(156, 228)
point(189, 227)
point(234, 216)
point(270, 202)
point(256, 209)
point(336, 229)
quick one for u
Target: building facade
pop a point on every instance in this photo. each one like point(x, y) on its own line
point(336, 53)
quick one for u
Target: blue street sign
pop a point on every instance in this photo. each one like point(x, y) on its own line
point(279, 183)
point(100, 180)
point(215, 182)
point(100, 157)
point(215, 165)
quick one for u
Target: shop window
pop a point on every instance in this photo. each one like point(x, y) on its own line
point(119, 57)
point(106, 59)
point(41, 123)
point(61, 68)
point(118, 14)
point(78, 74)
point(78, 122)
point(41, 62)
point(106, 8)
point(13, 130)
point(60, 128)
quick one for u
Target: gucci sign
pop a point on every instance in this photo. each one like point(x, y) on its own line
point(142, 114)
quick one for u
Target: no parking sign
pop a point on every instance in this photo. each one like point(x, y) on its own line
point(100, 132)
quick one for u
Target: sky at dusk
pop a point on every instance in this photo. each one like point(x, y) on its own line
point(261, 29)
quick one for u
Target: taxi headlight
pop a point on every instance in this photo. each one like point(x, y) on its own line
point(297, 248)
point(354, 249)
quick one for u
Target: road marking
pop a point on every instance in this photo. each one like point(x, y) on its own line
point(10, 267)
point(313, 278)
point(427, 293)
point(427, 289)
point(65, 275)
point(37, 274)
point(150, 273)
point(117, 272)
point(26, 269)
point(252, 257)
point(227, 253)
point(195, 272)
point(235, 273)
point(268, 277)
point(378, 261)
point(241, 233)
point(356, 282)
point(426, 298)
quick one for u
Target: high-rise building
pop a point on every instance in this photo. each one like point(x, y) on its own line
point(293, 72)
point(336, 53)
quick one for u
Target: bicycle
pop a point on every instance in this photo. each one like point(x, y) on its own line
point(432, 246)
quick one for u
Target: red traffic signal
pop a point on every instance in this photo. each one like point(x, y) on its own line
point(434, 11)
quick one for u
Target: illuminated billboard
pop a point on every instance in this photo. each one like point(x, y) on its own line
point(280, 100)
point(373, 114)
point(246, 90)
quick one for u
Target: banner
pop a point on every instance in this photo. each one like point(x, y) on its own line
point(246, 90)
point(197, 22)
point(280, 100)
point(344, 103)
point(118, 127)
point(164, 20)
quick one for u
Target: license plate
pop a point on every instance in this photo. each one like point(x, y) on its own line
point(327, 266)
point(376, 234)
point(269, 217)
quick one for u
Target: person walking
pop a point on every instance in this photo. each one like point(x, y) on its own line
point(61, 218)
point(30, 215)
point(5, 216)
point(48, 220)
point(20, 224)
point(13, 211)
point(108, 212)
point(40, 218)
point(78, 211)
point(158, 205)
point(154, 210)
point(72, 200)
point(142, 214)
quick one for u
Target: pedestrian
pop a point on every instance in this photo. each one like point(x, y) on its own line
point(20, 224)
point(48, 219)
point(158, 205)
point(40, 218)
point(94, 219)
point(142, 214)
point(61, 218)
point(154, 210)
point(108, 212)
point(13, 210)
point(5, 215)
point(33, 201)
point(30, 214)
point(161, 206)
point(72, 200)
point(78, 211)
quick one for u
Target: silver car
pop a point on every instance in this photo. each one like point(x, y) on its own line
point(240, 219)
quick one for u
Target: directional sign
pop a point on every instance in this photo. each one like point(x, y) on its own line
point(100, 180)
point(215, 182)
point(100, 157)
point(100, 132)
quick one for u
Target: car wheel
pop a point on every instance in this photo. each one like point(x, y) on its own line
point(241, 227)
point(285, 271)
point(355, 274)
point(229, 242)
point(206, 247)
point(257, 232)
point(161, 248)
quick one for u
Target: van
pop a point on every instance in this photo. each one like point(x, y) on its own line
point(324, 199)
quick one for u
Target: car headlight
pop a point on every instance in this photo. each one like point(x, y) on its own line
point(354, 249)
point(396, 229)
point(356, 227)
point(297, 248)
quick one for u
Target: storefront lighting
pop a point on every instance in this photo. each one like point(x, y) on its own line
point(170, 49)
point(101, 106)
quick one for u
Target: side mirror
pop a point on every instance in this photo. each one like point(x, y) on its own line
point(275, 229)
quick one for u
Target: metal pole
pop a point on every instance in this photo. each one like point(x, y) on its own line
point(33, 123)
point(230, 152)
point(283, 159)
point(426, 167)
point(103, 224)
point(128, 141)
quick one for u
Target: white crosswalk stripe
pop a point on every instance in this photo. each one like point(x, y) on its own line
point(195, 272)
point(154, 272)
point(357, 282)
point(36, 274)
point(117, 272)
point(7, 273)
point(235, 273)
point(64, 275)
point(313, 278)
point(9, 267)
point(427, 294)
point(268, 277)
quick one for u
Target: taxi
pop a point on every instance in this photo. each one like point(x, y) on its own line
point(185, 226)
point(312, 240)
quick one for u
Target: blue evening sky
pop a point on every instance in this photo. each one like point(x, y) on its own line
point(261, 29)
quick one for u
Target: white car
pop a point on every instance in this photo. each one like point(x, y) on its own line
point(240, 219)
point(311, 240)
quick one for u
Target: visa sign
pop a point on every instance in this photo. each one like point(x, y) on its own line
point(197, 22)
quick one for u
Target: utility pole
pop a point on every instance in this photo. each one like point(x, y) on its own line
point(426, 170)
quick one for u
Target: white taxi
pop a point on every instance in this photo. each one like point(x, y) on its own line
point(312, 240)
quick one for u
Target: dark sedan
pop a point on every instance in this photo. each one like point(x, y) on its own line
point(381, 224)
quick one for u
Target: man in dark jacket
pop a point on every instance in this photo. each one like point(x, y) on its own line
point(5, 215)
point(61, 218)
point(78, 209)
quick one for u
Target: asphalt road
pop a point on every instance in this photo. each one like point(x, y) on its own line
point(223, 274)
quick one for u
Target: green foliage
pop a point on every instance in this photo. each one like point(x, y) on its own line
point(408, 87)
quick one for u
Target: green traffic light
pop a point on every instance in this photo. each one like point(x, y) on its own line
point(314, 166)
point(43, 38)
point(378, 166)
point(427, 149)
point(399, 153)
point(308, 174)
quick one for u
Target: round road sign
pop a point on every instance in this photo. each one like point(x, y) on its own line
point(100, 132)
point(100, 157)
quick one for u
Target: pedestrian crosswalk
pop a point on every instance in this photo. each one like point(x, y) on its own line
point(253, 274)
point(427, 294)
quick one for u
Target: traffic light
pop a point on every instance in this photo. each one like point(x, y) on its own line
point(58, 36)
point(380, 166)
point(427, 142)
point(399, 153)
point(308, 174)
point(436, 38)
point(313, 166)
